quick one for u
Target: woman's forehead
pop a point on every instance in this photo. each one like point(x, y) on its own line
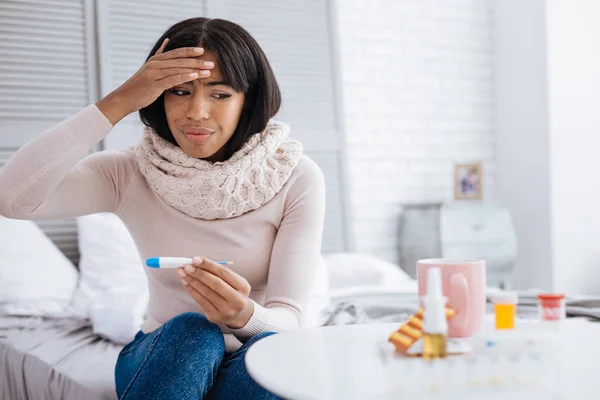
point(209, 56)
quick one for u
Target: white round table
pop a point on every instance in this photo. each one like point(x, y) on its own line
point(345, 362)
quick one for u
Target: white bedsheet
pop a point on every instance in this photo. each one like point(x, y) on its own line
point(47, 359)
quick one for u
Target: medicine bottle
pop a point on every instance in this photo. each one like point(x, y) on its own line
point(552, 309)
point(505, 309)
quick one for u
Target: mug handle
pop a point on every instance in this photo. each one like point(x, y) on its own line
point(459, 291)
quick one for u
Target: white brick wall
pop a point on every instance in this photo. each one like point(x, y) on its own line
point(417, 92)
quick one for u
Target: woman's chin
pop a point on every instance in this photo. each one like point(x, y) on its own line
point(203, 149)
point(195, 153)
point(198, 150)
point(204, 154)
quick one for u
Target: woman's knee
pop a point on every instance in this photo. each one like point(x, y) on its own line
point(186, 342)
point(161, 365)
point(192, 321)
point(193, 331)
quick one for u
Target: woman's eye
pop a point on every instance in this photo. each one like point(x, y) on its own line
point(221, 96)
point(178, 92)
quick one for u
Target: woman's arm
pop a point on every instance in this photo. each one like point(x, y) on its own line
point(47, 178)
point(295, 259)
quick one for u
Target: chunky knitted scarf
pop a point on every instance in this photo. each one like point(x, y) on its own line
point(206, 190)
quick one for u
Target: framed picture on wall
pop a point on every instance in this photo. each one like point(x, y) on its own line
point(468, 181)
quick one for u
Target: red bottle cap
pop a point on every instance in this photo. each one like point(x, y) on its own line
point(550, 296)
point(550, 300)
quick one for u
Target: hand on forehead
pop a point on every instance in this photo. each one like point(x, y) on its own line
point(215, 74)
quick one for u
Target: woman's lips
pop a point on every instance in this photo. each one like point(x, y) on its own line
point(197, 134)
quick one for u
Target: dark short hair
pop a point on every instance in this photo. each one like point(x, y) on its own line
point(244, 66)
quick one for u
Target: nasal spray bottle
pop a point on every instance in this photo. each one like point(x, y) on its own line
point(435, 325)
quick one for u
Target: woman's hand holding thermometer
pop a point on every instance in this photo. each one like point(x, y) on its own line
point(222, 294)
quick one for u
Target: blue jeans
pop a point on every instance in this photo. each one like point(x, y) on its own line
point(185, 359)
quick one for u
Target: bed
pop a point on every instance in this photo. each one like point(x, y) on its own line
point(54, 358)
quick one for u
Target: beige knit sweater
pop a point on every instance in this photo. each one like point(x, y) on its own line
point(276, 247)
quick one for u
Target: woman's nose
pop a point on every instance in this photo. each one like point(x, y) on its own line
point(198, 108)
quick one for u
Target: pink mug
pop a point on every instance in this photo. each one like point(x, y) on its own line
point(463, 283)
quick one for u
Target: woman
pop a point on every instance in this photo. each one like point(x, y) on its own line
point(213, 178)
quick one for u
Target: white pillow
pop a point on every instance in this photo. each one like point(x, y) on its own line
point(36, 278)
point(113, 289)
point(350, 270)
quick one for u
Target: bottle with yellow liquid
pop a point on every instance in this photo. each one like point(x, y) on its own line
point(435, 325)
point(505, 308)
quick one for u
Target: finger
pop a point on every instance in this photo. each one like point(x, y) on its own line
point(210, 301)
point(165, 73)
point(194, 63)
point(226, 274)
point(175, 72)
point(175, 80)
point(162, 46)
point(182, 52)
point(218, 285)
point(214, 297)
point(195, 277)
point(208, 307)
